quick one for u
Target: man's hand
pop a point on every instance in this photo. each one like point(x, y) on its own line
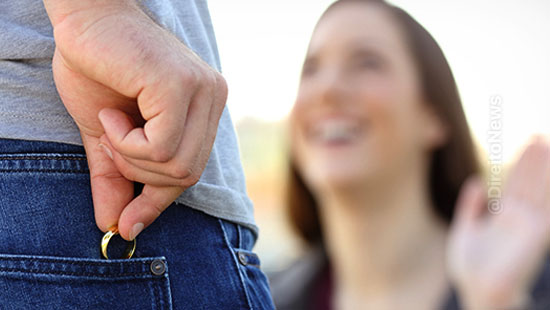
point(147, 107)
point(494, 259)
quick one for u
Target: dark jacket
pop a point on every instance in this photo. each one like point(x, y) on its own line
point(297, 287)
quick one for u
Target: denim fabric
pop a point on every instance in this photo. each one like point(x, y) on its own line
point(49, 246)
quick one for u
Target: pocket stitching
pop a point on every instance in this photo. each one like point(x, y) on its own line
point(61, 273)
point(111, 267)
point(42, 157)
point(236, 264)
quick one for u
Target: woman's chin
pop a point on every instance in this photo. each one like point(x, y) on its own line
point(339, 177)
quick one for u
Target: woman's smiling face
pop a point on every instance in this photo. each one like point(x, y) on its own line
point(360, 113)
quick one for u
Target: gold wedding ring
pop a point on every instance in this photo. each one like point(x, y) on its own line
point(107, 237)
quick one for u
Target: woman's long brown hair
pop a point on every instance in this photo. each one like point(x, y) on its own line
point(450, 165)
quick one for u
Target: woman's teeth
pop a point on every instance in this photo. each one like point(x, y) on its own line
point(336, 131)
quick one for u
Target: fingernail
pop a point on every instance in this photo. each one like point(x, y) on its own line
point(136, 230)
point(107, 151)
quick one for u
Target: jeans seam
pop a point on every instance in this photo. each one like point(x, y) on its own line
point(137, 271)
point(168, 291)
point(30, 157)
point(86, 277)
point(239, 236)
point(236, 263)
point(44, 170)
point(156, 293)
point(72, 262)
point(79, 274)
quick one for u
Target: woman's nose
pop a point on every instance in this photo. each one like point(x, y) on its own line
point(331, 88)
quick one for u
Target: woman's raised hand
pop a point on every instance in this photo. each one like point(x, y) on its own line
point(495, 257)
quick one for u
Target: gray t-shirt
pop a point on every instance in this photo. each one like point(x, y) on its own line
point(30, 108)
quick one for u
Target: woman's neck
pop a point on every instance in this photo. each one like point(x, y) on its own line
point(385, 243)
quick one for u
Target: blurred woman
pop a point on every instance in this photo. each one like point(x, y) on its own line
point(380, 149)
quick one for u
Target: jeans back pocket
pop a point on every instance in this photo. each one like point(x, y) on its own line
point(49, 282)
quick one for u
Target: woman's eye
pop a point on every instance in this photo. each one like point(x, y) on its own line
point(309, 69)
point(368, 63)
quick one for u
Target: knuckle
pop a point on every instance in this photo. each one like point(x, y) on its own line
point(220, 80)
point(188, 182)
point(68, 30)
point(159, 156)
point(194, 179)
point(190, 78)
point(128, 174)
point(211, 77)
point(180, 172)
point(205, 79)
point(113, 176)
point(191, 179)
point(222, 88)
point(123, 172)
point(162, 154)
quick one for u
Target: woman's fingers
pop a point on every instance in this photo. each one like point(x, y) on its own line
point(529, 181)
point(471, 202)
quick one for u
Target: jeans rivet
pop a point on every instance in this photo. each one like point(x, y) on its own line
point(158, 267)
point(243, 259)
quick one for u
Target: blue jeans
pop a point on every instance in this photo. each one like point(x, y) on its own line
point(50, 256)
